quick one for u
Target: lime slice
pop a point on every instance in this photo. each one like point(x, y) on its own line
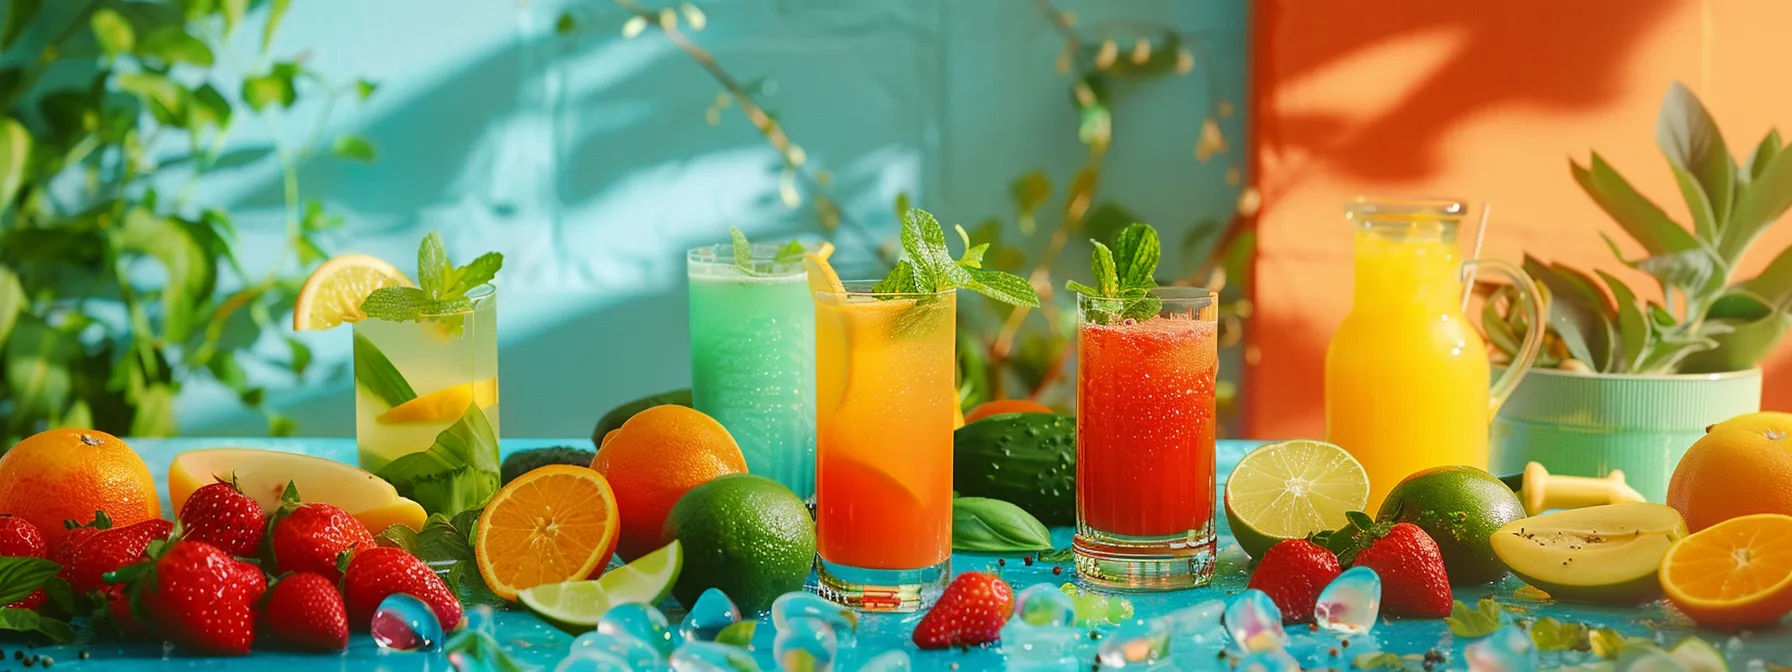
point(575, 606)
point(1291, 489)
point(1698, 655)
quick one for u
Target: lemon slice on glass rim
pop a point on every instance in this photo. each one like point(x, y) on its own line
point(334, 292)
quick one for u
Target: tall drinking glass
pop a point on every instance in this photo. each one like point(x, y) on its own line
point(1145, 439)
point(426, 403)
point(884, 400)
point(753, 358)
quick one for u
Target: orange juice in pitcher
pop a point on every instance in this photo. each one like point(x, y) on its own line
point(1406, 375)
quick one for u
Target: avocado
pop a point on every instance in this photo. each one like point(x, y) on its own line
point(524, 461)
point(622, 413)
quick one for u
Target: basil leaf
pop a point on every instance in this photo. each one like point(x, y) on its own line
point(995, 526)
point(459, 472)
point(400, 537)
point(450, 542)
point(377, 374)
point(743, 250)
point(21, 576)
point(26, 620)
point(60, 594)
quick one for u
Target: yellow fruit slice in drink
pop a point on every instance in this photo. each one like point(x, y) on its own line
point(1291, 489)
point(443, 405)
point(263, 475)
point(822, 277)
point(334, 292)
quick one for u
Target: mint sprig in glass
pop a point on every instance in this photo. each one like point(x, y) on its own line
point(1124, 277)
point(927, 267)
point(426, 382)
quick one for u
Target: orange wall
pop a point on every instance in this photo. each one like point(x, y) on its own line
point(1485, 101)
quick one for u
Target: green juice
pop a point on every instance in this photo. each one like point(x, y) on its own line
point(753, 360)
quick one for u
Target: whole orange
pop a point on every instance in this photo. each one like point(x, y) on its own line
point(656, 457)
point(67, 474)
point(1000, 406)
point(1730, 473)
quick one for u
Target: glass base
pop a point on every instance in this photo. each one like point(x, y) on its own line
point(1122, 562)
point(886, 590)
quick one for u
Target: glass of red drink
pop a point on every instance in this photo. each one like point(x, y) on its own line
point(1145, 439)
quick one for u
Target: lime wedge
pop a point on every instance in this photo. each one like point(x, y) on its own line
point(1698, 655)
point(575, 606)
point(1291, 489)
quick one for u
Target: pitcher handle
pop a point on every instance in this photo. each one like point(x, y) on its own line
point(1533, 337)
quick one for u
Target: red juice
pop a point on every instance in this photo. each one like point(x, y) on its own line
point(1145, 429)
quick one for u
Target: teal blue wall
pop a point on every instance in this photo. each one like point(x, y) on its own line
point(587, 161)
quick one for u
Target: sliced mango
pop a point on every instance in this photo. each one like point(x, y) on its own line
point(263, 475)
point(443, 405)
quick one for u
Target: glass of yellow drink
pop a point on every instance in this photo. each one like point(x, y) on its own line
point(1406, 374)
point(426, 402)
point(885, 394)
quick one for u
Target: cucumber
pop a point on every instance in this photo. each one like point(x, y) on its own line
point(1026, 459)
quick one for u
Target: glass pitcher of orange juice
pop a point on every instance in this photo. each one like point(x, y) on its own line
point(1406, 375)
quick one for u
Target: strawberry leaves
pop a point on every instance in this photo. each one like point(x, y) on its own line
point(1357, 534)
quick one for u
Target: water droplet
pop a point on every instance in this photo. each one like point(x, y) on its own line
point(405, 623)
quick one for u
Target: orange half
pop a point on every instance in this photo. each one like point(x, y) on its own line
point(557, 523)
point(1737, 572)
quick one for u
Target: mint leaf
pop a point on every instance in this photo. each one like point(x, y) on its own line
point(901, 280)
point(792, 252)
point(1480, 621)
point(743, 250)
point(1550, 634)
point(378, 376)
point(397, 304)
point(912, 247)
point(1376, 660)
point(21, 576)
point(433, 266)
point(945, 270)
point(1101, 263)
point(400, 537)
point(973, 254)
point(1004, 287)
point(1136, 253)
point(1082, 289)
point(481, 271)
point(458, 472)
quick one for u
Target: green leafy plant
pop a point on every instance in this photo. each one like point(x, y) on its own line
point(994, 526)
point(441, 294)
point(928, 267)
point(790, 253)
point(117, 288)
point(1124, 277)
point(1708, 321)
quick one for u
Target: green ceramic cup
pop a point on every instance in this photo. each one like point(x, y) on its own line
point(1587, 424)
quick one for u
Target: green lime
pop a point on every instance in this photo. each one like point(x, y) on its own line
point(575, 606)
point(1291, 489)
point(1460, 508)
point(746, 535)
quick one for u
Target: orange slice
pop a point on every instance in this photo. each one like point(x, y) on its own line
point(822, 277)
point(557, 523)
point(334, 292)
point(444, 404)
point(1737, 572)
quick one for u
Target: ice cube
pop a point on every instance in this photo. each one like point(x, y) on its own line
point(594, 661)
point(889, 661)
point(405, 623)
point(1045, 604)
point(711, 657)
point(640, 621)
point(1350, 604)
point(1135, 645)
point(805, 644)
point(842, 620)
point(479, 618)
point(1508, 649)
point(1272, 660)
point(712, 612)
point(622, 646)
point(1255, 623)
point(1041, 648)
point(1198, 621)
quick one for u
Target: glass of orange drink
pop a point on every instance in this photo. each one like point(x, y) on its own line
point(885, 393)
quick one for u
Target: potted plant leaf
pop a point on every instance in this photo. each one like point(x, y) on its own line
point(1627, 382)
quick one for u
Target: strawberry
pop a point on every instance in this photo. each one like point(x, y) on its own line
point(221, 515)
point(1292, 573)
point(309, 537)
point(1413, 580)
point(197, 596)
point(969, 613)
point(20, 539)
point(78, 533)
point(305, 612)
point(118, 613)
point(109, 550)
point(379, 571)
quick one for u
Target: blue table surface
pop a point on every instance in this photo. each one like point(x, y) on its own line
point(533, 642)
